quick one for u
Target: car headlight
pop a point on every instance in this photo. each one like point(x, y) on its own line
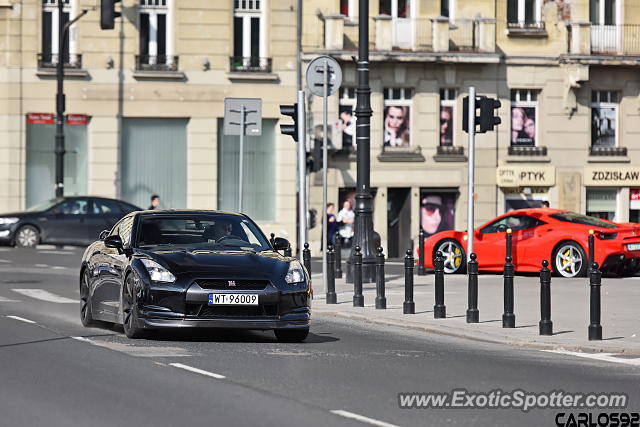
point(157, 272)
point(295, 273)
point(7, 221)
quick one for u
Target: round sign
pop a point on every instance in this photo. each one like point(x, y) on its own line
point(315, 75)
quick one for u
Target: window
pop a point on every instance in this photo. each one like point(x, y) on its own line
point(156, 40)
point(576, 218)
point(602, 12)
point(447, 103)
point(524, 106)
point(50, 41)
point(602, 203)
point(347, 119)
point(72, 207)
point(603, 118)
point(395, 8)
point(104, 206)
point(249, 38)
point(397, 110)
point(514, 222)
point(523, 13)
point(348, 8)
point(448, 9)
point(124, 230)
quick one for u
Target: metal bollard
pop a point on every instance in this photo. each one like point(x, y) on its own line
point(332, 298)
point(287, 252)
point(595, 280)
point(409, 307)
point(381, 299)
point(473, 315)
point(421, 269)
point(338, 249)
point(306, 258)
point(358, 298)
point(508, 317)
point(439, 310)
point(546, 325)
point(592, 248)
point(272, 239)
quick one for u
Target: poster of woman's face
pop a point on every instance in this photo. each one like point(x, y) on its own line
point(603, 127)
point(523, 126)
point(396, 126)
point(437, 212)
point(347, 123)
point(446, 125)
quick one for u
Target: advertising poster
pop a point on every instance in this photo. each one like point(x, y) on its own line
point(397, 131)
point(603, 127)
point(347, 123)
point(446, 126)
point(437, 211)
point(523, 126)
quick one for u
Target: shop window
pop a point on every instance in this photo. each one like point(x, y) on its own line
point(397, 111)
point(347, 120)
point(524, 111)
point(602, 203)
point(604, 106)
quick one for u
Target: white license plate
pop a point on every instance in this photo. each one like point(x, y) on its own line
point(633, 247)
point(233, 299)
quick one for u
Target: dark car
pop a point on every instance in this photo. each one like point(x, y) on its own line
point(63, 221)
point(200, 269)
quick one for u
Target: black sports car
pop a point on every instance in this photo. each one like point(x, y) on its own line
point(64, 221)
point(187, 268)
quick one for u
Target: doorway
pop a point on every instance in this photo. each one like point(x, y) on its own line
point(398, 221)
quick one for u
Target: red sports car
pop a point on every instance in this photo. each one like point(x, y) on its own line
point(555, 235)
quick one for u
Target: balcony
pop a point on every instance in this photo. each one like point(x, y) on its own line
point(47, 61)
point(604, 40)
point(249, 64)
point(156, 63)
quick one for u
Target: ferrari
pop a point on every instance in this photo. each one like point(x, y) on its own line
point(538, 234)
point(195, 269)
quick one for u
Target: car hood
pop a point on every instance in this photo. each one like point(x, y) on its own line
point(17, 214)
point(226, 264)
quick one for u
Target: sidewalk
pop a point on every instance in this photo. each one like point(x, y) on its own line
point(569, 310)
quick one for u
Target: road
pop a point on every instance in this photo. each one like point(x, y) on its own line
point(57, 373)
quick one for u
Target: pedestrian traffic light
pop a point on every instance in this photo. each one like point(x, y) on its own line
point(487, 118)
point(312, 218)
point(108, 14)
point(291, 130)
point(465, 112)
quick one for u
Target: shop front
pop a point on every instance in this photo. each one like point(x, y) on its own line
point(613, 192)
point(525, 186)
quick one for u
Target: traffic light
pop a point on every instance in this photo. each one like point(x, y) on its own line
point(487, 118)
point(108, 14)
point(312, 218)
point(465, 112)
point(291, 130)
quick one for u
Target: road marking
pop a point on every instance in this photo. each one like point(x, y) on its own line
point(22, 319)
point(137, 351)
point(3, 299)
point(83, 339)
point(56, 267)
point(5, 261)
point(42, 265)
point(45, 296)
point(361, 418)
point(56, 252)
point(196, 370)
point(604, 357)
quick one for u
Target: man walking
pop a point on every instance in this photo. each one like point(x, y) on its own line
point(155, 202)
point(347, 217)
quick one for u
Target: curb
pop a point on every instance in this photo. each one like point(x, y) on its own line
point(477, 336)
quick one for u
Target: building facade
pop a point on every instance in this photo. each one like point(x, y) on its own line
point(145, 104)
point(566, 73)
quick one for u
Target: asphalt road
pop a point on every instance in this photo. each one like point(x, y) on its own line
point(54, 372)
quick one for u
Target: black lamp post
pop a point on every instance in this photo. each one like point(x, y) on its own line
point(363, 236)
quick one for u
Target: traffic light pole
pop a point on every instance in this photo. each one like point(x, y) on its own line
point(325, 167)
point(241, 161)
point(471, 167)
point(302, 175)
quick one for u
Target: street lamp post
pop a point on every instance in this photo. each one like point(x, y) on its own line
point(363, 236)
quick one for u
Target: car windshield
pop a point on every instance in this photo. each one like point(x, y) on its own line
point(202, 231)
point(40, 207)
point(577, 218)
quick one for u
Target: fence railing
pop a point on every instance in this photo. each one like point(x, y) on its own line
point(250, 64)
point(615, 39)
point(50, 60)
point(156, 63)
point(463, 35)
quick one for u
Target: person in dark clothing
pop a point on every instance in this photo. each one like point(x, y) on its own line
point(332, 224)
point(155, 202)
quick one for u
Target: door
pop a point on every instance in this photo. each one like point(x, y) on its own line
point(604, 31)
point(400, 12)
point(67, 222)
point(490, 241)
point(398, 221)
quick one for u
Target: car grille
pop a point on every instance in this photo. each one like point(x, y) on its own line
point(256, 285)
point(203, 311)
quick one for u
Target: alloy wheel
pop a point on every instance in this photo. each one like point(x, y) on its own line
point(453, 256)
point(27, 237)
point(569, 261)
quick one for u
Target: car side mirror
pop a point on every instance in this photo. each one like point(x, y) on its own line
point(114, 242)
point(103, 234)
point(280, 244)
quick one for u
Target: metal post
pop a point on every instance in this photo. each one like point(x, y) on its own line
point(60, 105)
point(408, 307)
point(508, 317)
point(363, 236)
point(358, 298)
point(338, 249)
point(242, 112)
point(272, 239)
point(325, 166)
point(287, 252)
point(332, 298)
point(592, 245)
point(381, 299)
point(439, 309)
point(545, 325)
point(421, 270)
point(473, 315)
point(302, 172)
point(306, 258)
point(595, 328)
point(471, 166)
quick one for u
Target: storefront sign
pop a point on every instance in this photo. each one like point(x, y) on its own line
point(49, 119)
point(634, 199)
point(611, 176)
point(77, 119)
point(526, 176)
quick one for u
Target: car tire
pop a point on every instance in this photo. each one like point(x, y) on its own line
point(130, 314)
point(455, 259)
point(570, 260)
point(27, 236)
point(86, 316)
point(291, 335)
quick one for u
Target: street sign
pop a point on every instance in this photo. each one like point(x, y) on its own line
point(252, 116)
point(315, 75)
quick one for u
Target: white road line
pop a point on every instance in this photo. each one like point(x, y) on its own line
point(45, 296)
point(5, 261)
point(3, 299)
point(361, 418)
point(604, 357)
point(56, 252)
point(22, 319)
point(83, 339)
point(57, 267)
point(196, 370)
point(42, 265)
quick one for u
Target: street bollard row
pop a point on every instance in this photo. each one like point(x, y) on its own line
point(408, 307)
point(439, 309)
point(473, 315)
point(381, 299)
point(358, 298)
point(421, 269)
point(332, 298)
point(338, 249)
point(508, 317)
point(595, 278)
point(545, 325)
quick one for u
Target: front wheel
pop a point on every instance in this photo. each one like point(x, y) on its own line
point(569, 260)
point(291, 335)
point(130, 309)
point(454, 256)
point(27, 236)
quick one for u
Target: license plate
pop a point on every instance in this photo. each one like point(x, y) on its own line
point(633, 247)
point(233, 299)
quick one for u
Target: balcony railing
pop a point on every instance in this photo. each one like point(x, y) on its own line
point(156, 63)
point(615, 39)
point(463, 35)
point(607, 151)
point(50, 60)
point(524, 25)
point(252, 64)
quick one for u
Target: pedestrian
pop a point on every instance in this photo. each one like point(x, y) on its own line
point(332, 224)
point(545, 204)
point(347, 217)
point(155, 202)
